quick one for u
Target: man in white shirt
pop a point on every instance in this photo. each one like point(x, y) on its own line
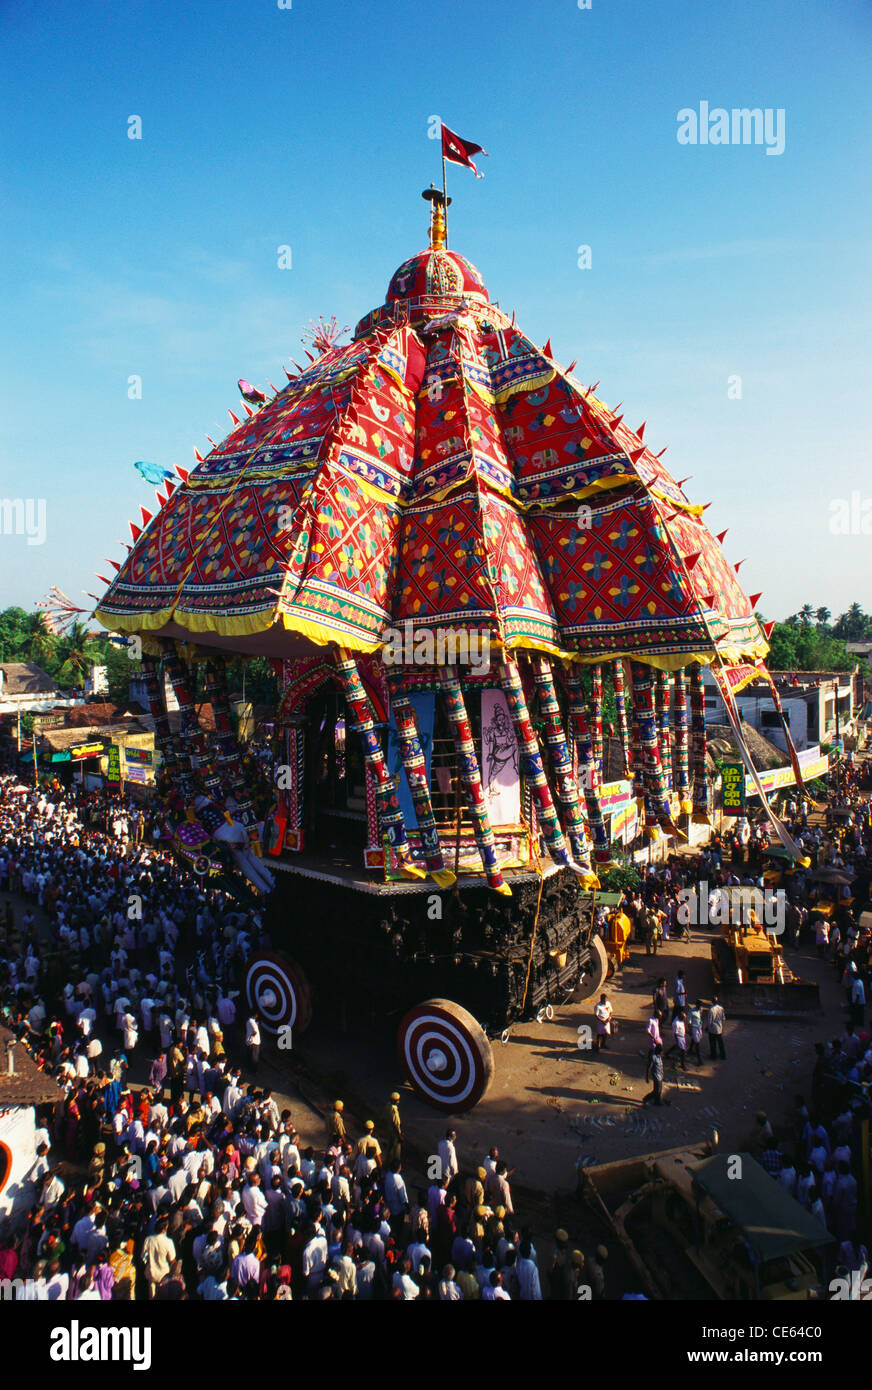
point(403, 1281)
point(253, 1200)
point(314, 1259)
point(448, 1154)
point(252, 1041)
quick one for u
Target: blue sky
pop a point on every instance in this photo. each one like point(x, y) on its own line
point(308, 127)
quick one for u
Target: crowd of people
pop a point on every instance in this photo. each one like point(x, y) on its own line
point(193, 1182)
point(816, 1153)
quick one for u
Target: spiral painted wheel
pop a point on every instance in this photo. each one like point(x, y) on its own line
point(277, 989)
point(446, 1055)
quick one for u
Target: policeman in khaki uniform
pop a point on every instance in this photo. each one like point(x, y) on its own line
point(337, 1124)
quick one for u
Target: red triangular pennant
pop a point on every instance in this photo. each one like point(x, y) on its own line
point(146, 516)
point(753, 599)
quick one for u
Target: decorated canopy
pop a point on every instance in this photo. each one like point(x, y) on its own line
point(440, 469)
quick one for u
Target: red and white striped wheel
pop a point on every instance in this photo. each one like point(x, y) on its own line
point(278, 991)
point(446, 1055)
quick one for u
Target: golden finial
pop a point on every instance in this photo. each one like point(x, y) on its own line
point(438, 203)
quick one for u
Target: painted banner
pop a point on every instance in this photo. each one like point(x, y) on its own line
point(424, 705)
point(733, 789)
point(113, 765)
point(500, 760)
point(137, 774)
point(137, 755)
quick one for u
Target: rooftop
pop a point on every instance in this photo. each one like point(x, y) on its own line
point(25, 678)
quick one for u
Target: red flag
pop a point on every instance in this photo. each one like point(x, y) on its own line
point(460, 151)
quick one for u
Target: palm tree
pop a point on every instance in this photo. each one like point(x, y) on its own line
point(75, 656)
point(806, 613)
point(852, 625)
point(823, 616)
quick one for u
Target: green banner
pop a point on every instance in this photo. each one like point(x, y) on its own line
point(733, 789)
point(113, 770)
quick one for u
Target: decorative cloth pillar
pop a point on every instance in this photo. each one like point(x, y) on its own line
point(415, 768)
point(664, 732)
point(510, 679)
point(588, 772)
point(153, 677)
point(470, 777)
point(596, 713)
point(621, 706)
point(390, 816)
point(567, 787)
point(657, 805)
point(698, 744)
point(295, 744)
point(679, 725)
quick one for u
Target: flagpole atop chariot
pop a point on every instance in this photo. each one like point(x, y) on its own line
point(459, 151)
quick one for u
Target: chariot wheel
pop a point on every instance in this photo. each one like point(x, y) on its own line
point(446, 1055)
point(278, 990)
point(596, 970)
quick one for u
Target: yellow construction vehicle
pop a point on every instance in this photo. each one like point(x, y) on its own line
point(752, 977)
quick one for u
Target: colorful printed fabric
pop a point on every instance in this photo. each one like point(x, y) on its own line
point(698, 744)
point(657, 809)
point(663, 693)
point(621, 706)
point(561, 761)
point(439, 431)
point(415, 768)
point(679, 725)
point(470, 777)
point(390, 816)
point(588, 771)
point(596, 713)
point(510, 679)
